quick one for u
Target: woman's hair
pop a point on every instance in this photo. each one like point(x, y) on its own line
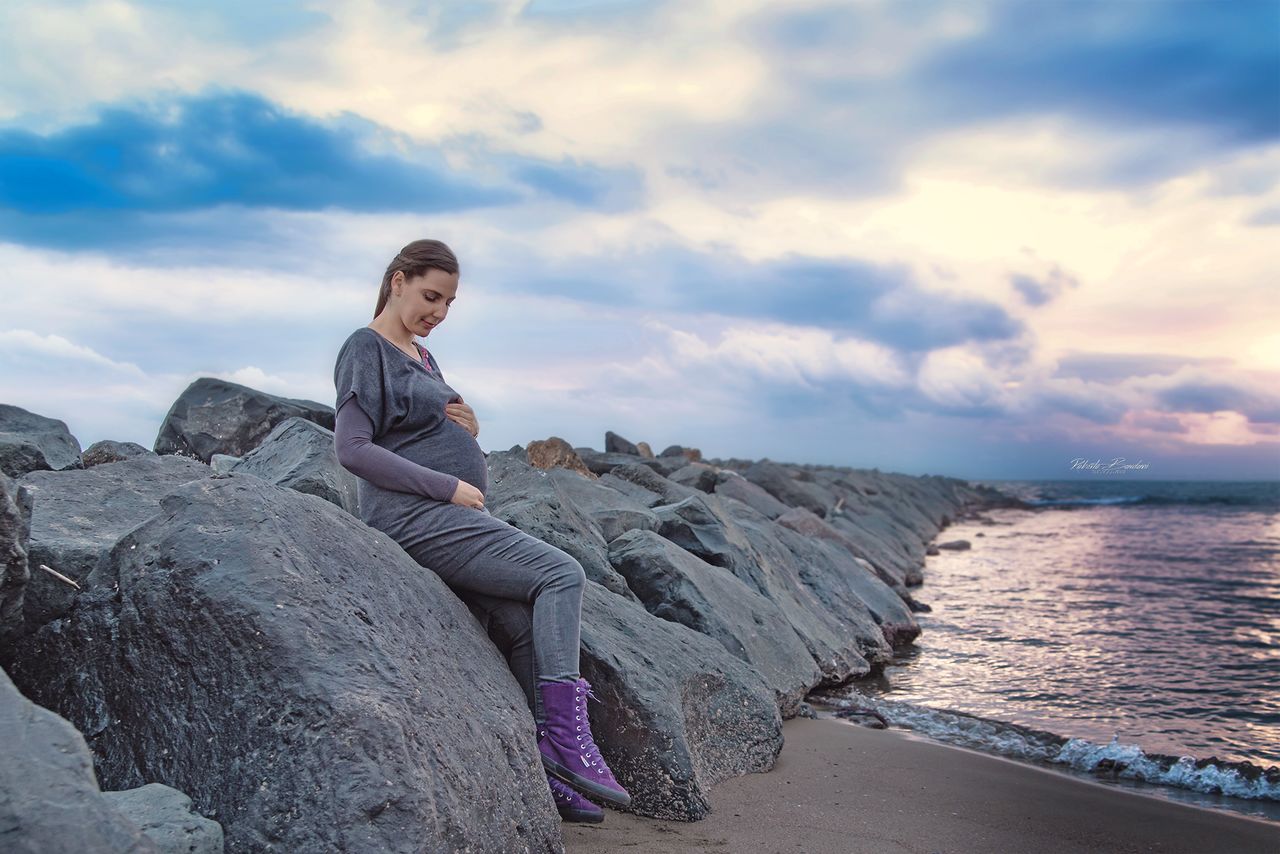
point(415, 260)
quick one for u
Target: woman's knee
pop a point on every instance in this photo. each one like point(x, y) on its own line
point(568, 573)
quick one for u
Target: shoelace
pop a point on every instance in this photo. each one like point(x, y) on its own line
point(589, 746)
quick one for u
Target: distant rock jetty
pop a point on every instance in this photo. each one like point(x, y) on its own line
point(205, 649)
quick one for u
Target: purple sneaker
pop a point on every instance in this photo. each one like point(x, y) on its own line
point(572, 805)
point(568, 750)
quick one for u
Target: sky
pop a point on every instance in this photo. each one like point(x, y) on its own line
point(976, 239)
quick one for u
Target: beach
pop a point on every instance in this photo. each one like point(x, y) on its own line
point(840, 787)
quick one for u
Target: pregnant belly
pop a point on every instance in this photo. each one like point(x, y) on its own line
point(453, 450)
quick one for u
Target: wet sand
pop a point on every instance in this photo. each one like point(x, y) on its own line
point(839, 787)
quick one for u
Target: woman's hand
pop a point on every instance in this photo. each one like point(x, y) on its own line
point(467, 495)
point(464, 415)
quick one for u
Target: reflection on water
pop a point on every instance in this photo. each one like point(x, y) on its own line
point(1134, 612)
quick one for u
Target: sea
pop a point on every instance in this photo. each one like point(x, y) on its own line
point(1125, 632)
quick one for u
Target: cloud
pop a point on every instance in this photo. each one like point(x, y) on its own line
point(958, 382)
point(97, 395)
point(1037, 292)
point(1115, 367)
point(878, 302)
point(1156, 422)
point(1150, 90)
point(23, 349)
point(1174, 66)
point(249, 22)
point(1264, 216)
point(218, 148)
point(1097, 404)
point(1207, 394)
point(121, 177)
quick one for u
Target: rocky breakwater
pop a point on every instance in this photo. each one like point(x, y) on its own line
point(248, 665)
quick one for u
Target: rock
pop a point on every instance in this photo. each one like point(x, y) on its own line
point(646, 485)
point(615, 444)
point(31, 442)
point(612, 511)
point(779, 482)
point(870, 614)
point(803, 522)
point(676, 712)
point(932, 550)
point(166, 817)
point(678, 586)
point(955, 545)
point(599, 463)
point(556, 453)
point(215, 416)
point(690, 454)
point(878, 616)
point(224, 463)
point(893, 524)
point(532, 500)
point(15, 574)
point(49, 798)
point(306, 682)
point(700, 476)
point(110, 451)
point(732, 535)
point(78, 514)
point(645, 450)
point(300, 455)
point(734, 485)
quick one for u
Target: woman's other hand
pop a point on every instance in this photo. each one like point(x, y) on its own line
point(468, 496)
point(464, 415)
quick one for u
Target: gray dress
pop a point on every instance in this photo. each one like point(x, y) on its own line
point(405, 401)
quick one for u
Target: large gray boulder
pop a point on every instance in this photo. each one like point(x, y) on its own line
point(851, 589)
point(215, 416)
point(50, 800)
point(732, 535)
point(603, 463)
point(733, 485)
point(31, 442)
point(613, 512)
point(300, 454)
point(782, 483)
point(895, 519)
point(815, 527)
point(646, 486)
point(534, 500)
point(683, 588)
point(15, 573)
point(301, 678)
point(77, 514)
point(676, 713)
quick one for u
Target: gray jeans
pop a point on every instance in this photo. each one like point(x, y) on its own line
point(528, 596)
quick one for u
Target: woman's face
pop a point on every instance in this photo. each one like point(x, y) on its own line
point(424, 300)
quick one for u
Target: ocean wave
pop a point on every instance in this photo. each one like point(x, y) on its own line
point(1115, 760)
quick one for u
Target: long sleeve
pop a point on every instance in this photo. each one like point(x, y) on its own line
point(353, 442)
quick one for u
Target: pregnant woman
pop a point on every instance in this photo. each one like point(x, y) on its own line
point(411, 439)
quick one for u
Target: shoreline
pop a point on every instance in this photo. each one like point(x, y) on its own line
point(841, 787)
